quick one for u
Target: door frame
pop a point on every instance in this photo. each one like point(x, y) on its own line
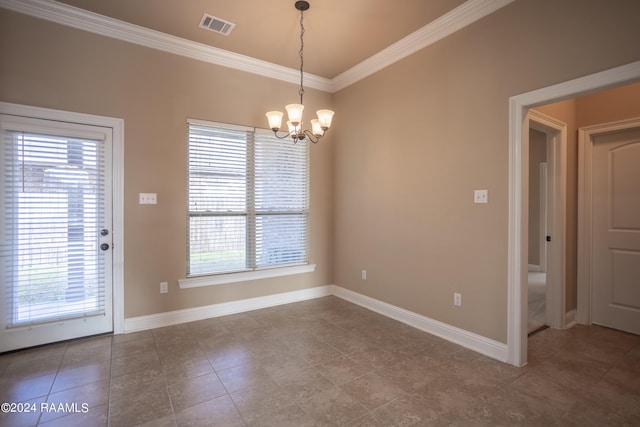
point(556, 218)
point(117, 126)
point(585, 171)
point(517, 262)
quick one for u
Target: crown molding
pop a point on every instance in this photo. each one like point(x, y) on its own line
point(456, 19)
point(81, 19)
point(63, 14)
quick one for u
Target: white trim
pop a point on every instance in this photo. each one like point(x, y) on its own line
point(243, 276)
point(160, 320)
point(475, 342)
point(518, 107)
point(117, 126)
point(118, 225)
point(585, 168)
point(458, 18)
point(585, 211)
point(226, 126)
point(516, 299)
point(458, 336)
point(81, 19)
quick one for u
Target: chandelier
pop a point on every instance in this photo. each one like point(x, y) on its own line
point(318, 126)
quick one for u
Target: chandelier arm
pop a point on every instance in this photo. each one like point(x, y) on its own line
point(275, 132)
point(313, 138)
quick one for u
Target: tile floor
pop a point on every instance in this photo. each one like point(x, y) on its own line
point(323, 362)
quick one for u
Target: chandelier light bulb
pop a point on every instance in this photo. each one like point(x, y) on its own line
point(325, 117)
point(316, 129)
point(275, 120)
point(295, 113)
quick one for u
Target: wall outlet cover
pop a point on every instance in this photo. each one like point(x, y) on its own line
point(481, 196)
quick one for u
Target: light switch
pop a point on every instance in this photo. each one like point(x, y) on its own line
point(148, 198)
point(481, 196)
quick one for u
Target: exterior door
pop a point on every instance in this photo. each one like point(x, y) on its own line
point(616, 229)
point(55, 231)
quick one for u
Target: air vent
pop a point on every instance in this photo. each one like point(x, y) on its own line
point(216, 25)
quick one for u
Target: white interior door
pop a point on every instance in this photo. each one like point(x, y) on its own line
point(615, 231)
point(544, 214)
point(55, 231)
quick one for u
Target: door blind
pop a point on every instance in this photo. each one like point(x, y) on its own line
point(52, 210)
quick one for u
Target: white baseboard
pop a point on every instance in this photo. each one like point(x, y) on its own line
point(169, 318)
point(467, 339)
point(475, 342)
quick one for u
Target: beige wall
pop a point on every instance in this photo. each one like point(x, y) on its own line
point(608, 106)
point(48, 65)
point(392, 188)
point(415, 139)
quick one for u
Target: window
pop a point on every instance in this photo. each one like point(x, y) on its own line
point(248, 200)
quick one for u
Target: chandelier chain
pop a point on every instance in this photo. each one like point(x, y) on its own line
point(301, 53)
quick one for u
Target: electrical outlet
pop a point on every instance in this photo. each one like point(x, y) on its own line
point(457, 300)
point(481, 196)
point(364, 274)
point(164, 287)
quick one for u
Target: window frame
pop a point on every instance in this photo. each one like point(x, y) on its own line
point(251, 271)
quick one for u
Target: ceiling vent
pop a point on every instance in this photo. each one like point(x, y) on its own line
point(216, 25)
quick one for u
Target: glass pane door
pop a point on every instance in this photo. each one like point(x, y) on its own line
point(56, 246)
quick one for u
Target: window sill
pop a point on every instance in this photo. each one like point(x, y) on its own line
point(244, 276)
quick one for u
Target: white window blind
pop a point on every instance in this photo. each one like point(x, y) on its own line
point(281, 200)
point(52, 200)
point(248, 200)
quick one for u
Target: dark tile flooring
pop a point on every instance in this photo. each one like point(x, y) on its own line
point(323, 362)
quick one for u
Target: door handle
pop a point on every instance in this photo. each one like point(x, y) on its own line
point(104, 232)
point(104, 246)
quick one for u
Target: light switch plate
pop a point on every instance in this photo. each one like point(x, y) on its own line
point(457, 300)
point(148, 198)
point(481, 196)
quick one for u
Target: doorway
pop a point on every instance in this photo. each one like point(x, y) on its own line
point(551, 235)
point(519, 108)
point(537, 271)
point(547, 158)
point(61, 276)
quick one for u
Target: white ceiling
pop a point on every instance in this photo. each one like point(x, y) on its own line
point(345, 40)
